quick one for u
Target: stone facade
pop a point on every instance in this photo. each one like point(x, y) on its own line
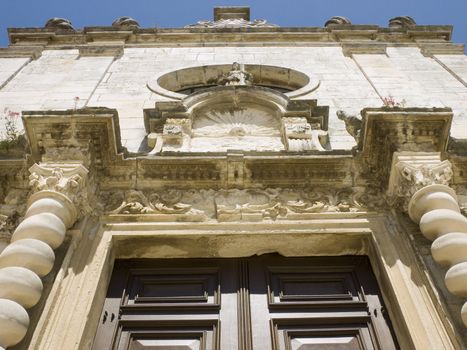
point(230, 138)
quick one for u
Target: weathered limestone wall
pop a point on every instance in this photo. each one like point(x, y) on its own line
point(349, 83)
point(51, 82)
point(406, 74)
point(8, 68)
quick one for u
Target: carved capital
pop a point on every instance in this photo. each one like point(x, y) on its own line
point(66, 181)
point(411, 171)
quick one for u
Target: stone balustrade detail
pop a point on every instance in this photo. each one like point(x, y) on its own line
point(436, 210)
point(52, 208)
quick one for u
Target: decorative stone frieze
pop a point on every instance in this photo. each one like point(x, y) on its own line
point(58, 197)
point(240, 204)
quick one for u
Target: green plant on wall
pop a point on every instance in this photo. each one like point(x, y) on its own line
point(10, 135)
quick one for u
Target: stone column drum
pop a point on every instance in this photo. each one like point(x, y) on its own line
point(436, 209)
point(30, 255)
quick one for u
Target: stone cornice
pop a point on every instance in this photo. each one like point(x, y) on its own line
point(387, 130)
point(147, 36)
point(79, 134)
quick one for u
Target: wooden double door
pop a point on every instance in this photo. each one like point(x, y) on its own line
point(265, 302)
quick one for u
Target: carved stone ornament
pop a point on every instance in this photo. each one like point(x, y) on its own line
point(236, 76)
point(353, 124)
point(303, 136)
point(59, 23)
point(412, 171)
point(125, 22)
point(11, 210)
point(68, 180)
point(163, 203)
point(237, 117)
point(241, 205)
point(337, 20)
point(401, 22)
point(232, 23)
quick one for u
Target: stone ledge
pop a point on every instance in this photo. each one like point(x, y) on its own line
point(350, 49)
point(101, 51)
point(33, 52)
point(431, 49)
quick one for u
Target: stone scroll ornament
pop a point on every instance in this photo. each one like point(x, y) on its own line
point(54, 206)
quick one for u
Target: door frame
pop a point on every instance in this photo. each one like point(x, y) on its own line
point(86, 270)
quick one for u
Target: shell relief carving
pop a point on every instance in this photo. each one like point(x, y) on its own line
point(237, 115)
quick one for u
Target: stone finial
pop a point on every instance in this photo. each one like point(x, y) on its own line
point(337, 20)
point(401, 22)
point(125, 22)
point(59, 23)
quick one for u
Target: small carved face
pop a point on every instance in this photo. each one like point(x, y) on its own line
point(236, 66)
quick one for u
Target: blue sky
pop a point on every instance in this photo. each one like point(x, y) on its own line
point(177, 13)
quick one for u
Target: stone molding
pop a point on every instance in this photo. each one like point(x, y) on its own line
point(202, 35)
point(411, 171)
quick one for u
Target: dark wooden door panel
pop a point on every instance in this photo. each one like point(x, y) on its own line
point(311, 303)
point(169, 336)
point(266, 302)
